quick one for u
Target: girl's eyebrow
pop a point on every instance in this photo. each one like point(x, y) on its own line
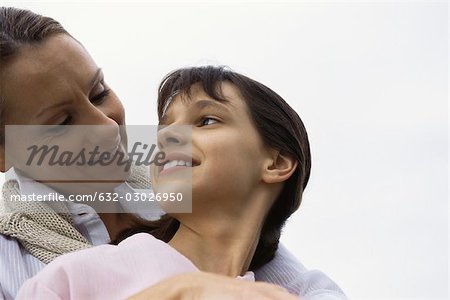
point(203, 104)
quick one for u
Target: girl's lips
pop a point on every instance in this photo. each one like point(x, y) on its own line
point(172, 170)
point(176, 156)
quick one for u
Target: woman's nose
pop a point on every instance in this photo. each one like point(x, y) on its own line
point(102, 130)
point(113, 109)
point(94, 116)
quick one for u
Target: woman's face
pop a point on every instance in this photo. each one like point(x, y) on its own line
point(56, 82)
point(228, 154)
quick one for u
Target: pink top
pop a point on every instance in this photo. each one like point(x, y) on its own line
point(108, 271)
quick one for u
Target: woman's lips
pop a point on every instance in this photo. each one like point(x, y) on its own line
point(116, 144)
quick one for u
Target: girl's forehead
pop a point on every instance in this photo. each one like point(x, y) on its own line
point(229, 96)
point(224, 92)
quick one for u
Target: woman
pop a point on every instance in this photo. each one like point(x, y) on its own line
point(41, 66)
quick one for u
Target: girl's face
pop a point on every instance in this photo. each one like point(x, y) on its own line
point(228, 154)
point(56, 82)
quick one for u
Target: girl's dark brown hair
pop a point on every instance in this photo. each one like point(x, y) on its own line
point(280, 128)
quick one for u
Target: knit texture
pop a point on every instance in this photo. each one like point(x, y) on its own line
point(42, 231)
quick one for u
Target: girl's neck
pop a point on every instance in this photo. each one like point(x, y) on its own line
point(218, 245)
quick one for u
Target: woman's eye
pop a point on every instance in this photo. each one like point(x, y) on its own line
point(102, 93)
point(61, 127)
point(67, 121)
point(208, 121)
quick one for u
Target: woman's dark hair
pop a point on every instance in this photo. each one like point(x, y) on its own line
point(280, 128)
point(18, 28)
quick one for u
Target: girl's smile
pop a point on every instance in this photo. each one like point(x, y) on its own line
point(176, 161)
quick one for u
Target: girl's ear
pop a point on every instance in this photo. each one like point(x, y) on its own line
point(279, 168)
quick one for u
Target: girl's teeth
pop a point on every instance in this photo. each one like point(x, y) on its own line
point(175, 163)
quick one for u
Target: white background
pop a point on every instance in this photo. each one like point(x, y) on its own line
point(369, 79)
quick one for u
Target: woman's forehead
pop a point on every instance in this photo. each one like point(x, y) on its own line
point(46, 72)
point(57, 55)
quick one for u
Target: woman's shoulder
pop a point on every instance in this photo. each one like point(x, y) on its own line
point(285, 270)
point(17, 265)
point(12, 252)
point(6, 243)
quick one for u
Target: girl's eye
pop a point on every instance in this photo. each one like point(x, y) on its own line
point(208, 121)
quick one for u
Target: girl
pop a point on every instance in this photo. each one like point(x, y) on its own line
point(250, 163)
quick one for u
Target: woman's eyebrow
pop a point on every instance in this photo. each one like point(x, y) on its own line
point(98, 75)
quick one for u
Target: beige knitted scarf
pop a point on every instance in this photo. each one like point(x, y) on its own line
point(43, 232)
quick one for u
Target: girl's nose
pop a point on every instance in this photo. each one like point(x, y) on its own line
point(174, 135)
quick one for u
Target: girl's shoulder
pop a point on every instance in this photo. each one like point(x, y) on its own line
point(140, 248)
point(111, 271)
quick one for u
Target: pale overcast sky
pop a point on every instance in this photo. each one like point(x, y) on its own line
point(369, 79)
